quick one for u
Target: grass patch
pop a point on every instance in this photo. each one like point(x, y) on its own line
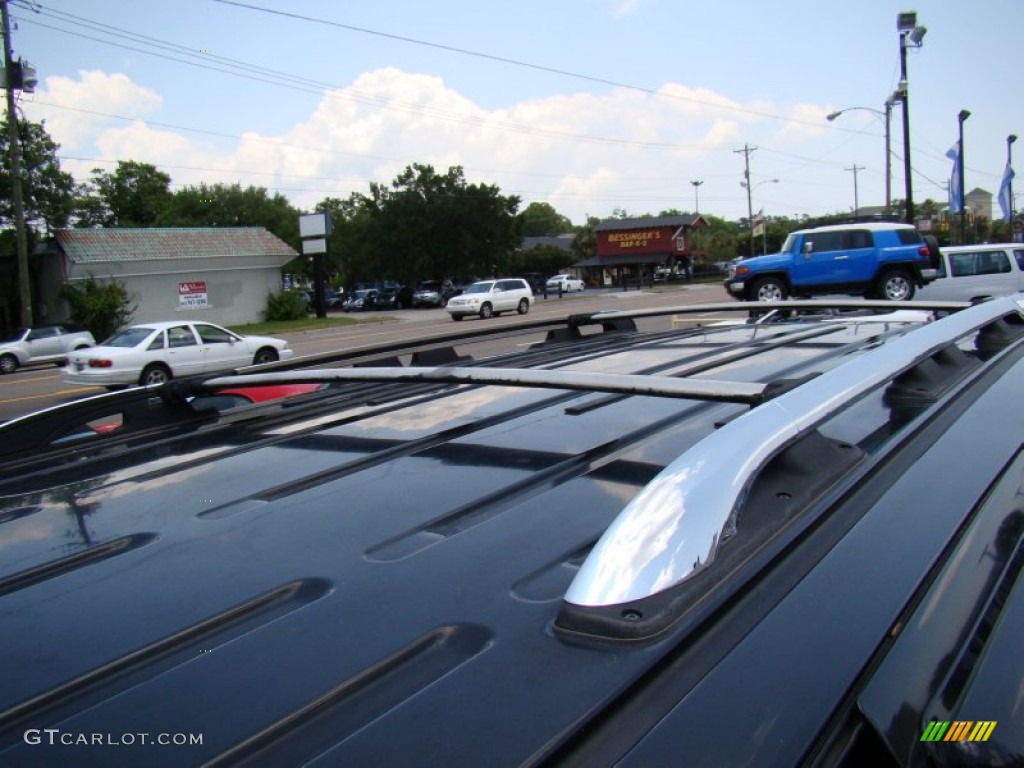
point(307, 324)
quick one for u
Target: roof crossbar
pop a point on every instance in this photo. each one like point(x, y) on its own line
point(620, 383)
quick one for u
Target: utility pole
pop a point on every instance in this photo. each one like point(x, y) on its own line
point(750, 205)
point(856, 200)
point(24, 290)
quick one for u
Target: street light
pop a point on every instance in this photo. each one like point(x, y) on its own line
point(764, 231)
point(886, 117)
point(911, 35)
point(964, 114)
point(696, 197)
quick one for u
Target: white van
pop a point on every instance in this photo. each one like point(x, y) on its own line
point(968, 272)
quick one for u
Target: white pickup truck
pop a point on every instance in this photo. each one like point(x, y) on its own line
point(42, 344)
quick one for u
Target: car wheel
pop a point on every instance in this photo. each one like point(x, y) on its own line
point(896, 285)
point(769, 289)
point(486, 310)
point(265, 355)
point(524, 307)
point(156, 373)
point(8, 364)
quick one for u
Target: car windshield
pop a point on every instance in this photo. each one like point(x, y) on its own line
point(787, 246)
point(18, 335)
point(430, 285)
point(361, 294)
point(129, 337)
point(479, 288)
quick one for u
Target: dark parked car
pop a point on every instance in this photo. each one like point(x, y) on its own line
point(333, 298)
point(394, 297)
point(361, 300)
point(433, 293)
point(791, 542)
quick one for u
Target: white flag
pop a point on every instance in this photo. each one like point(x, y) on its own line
point(758, 224)
point(956, 192)
point(1005, 201)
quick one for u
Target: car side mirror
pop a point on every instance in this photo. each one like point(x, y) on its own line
point(807, 248)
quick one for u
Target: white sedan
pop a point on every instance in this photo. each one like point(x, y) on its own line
point(153, 353)
point(566, 282)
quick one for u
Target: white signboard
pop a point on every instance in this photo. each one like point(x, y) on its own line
point(314, 225)
point(314, 246)
point(192, 295)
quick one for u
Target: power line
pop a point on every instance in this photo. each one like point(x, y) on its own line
point(329, 90)
point(515, 62)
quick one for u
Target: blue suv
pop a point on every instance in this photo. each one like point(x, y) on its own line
point(875, 260)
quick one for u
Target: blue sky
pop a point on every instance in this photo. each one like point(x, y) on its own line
point(589, 105)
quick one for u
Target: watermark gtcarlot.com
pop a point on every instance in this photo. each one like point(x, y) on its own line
point(55, 737)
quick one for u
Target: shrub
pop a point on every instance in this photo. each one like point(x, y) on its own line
point(100, 307)
point(287, 305)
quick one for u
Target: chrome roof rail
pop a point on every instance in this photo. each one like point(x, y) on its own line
point(673, 528)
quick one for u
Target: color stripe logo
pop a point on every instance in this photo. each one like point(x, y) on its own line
point(959, 730)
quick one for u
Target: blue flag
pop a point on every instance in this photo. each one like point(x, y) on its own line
point(1005, 200)
point(956, 184)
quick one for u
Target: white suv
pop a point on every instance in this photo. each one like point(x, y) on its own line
point(492, 297)
point(969, 272)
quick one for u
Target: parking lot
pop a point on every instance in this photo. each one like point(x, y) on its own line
point(33, 389)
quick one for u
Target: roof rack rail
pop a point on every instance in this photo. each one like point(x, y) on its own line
point(673, 528)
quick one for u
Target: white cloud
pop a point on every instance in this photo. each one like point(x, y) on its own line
point(586, 153)
point(85, 103)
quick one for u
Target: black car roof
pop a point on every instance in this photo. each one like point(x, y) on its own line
point(433, 561)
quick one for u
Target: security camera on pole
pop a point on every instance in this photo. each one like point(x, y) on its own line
point(911, 36)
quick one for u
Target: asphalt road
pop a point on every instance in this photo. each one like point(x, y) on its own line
point(33, 389)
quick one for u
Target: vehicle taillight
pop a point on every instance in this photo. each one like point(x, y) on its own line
point(100, 363)
point(923, 252)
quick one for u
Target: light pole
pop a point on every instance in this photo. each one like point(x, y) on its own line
point(887, 120)
point(1009, 184)
point(911, 35)
point(964, 114)
point(764, 231)
point(696, 196)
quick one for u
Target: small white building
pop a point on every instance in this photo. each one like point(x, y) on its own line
point(223, 275)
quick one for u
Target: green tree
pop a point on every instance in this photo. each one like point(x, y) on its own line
point(539, 219)
point(584, 245)
point(348, 246)
point(100, 307)
point(547, 259)
point(231, 205)
point(720, 239)
point(134, 195)
point(48, 193)
point(426, 224)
